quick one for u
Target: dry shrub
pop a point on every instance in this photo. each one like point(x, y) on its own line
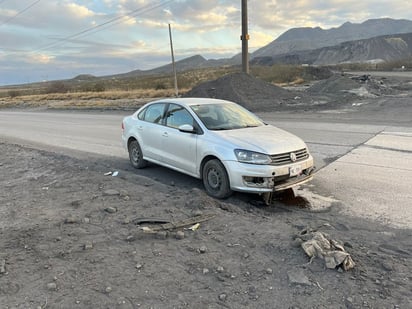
point(112, 98)
point(57, 87)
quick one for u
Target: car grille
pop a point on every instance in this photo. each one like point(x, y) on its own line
point(285, 158)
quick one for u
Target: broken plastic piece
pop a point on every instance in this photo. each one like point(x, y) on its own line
point(194, 227)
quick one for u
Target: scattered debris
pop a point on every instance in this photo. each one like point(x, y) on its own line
point(318, 244)
point(88, 245)
point(71, 220)
point(139, 266)
point(139, 221)
point(36, 240)
point(222, 297)
point(114, 174)
point(178, 224)
point(203, 249)
point(220, 269)
point(110, 210)
point(52, 286)
point(194, 227)
point(298, 276)
point(130, 238)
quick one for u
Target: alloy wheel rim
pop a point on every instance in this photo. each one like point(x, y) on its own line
point(135, 154)
point(213, 179)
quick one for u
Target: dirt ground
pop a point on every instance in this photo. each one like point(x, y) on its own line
point(71, 235)
point(70, 239)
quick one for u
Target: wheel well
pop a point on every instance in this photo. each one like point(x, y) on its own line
point(131, 139)
point(206, 159)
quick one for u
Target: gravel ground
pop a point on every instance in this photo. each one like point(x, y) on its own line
point(70, 239)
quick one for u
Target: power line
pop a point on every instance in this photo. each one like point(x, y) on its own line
point(19, 13)
point(115, 20)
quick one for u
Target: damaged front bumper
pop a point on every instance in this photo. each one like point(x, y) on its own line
point(267, 178)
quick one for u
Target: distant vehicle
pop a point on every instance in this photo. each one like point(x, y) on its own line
point(218, 141)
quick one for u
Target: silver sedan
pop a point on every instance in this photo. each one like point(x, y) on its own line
point(218, 141)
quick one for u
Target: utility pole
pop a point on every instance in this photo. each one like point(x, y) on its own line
point(245, 37)
point(173, 61)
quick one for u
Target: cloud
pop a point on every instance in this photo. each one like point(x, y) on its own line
point(259, 39)
point(58, 37)
point(41, 58)
point(78, 11)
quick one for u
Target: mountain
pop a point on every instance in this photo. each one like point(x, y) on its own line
point(298, 39)
point(193, 62)
point(374, 50)
point(351, 42)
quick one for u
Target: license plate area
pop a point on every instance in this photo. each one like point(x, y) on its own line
point(295, 170)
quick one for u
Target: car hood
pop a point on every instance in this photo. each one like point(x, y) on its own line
point(265, 139)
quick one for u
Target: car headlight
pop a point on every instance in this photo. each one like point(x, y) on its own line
point(252, 157)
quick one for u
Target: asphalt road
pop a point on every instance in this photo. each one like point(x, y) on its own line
point(365, 165)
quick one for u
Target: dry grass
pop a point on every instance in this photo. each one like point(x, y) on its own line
point(132, 91)
point(105, 95)
point(78, 100)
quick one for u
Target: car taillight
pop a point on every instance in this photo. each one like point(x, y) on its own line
point(122, 126)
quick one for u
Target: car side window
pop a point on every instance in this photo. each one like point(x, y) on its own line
point(154, 113)
point(177, 115)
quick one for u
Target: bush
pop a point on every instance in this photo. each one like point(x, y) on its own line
point(92, 87)
point(57, 87)
point(99, 87)
point(14, 93)
point(160, 86)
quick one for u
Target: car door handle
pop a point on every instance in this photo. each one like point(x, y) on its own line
point(165, 134)
point(140, 127)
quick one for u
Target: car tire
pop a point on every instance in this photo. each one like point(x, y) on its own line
point(216, 180)
point(136, 155)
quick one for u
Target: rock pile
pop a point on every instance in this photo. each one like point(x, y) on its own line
point(246, 90)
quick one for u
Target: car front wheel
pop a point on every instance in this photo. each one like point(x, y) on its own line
point(216, 180)
point(136, 155)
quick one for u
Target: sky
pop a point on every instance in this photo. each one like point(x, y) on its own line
point(44, 40)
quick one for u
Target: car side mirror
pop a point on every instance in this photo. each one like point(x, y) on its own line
point(187, 128)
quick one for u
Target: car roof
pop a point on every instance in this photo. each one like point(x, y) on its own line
point(193, 101)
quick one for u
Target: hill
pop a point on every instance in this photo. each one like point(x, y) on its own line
point(190, 63)
point(378, 49)
point(299, 39)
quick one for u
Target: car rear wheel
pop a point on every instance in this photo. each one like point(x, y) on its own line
point(216, 180)
point(136, 155)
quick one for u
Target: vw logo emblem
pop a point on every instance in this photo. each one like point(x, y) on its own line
point(293, 156)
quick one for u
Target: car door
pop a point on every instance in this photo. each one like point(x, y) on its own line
point(179, 148)
point(151, 130)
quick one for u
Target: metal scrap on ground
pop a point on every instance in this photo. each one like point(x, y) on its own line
point(178, 224)
point(318, 244)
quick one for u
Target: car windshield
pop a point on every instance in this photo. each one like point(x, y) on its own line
point(227, 116)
